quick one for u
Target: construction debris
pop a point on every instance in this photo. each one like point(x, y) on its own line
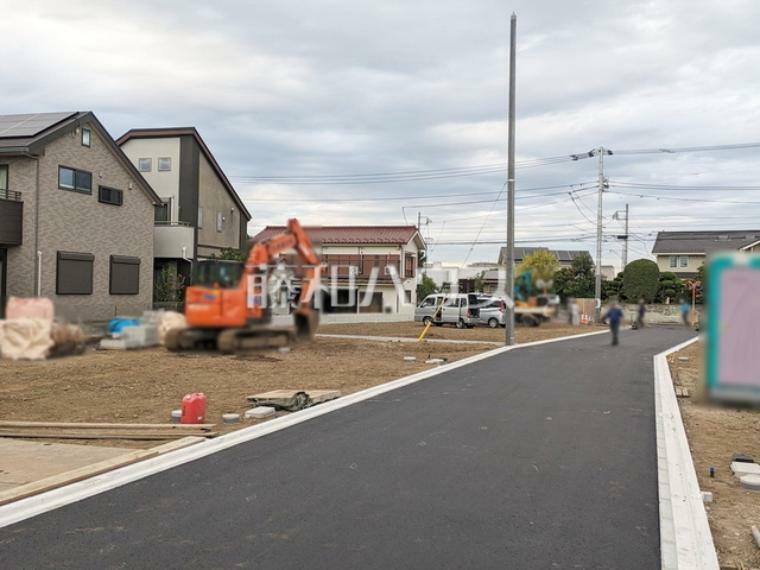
point(740, 468)
point(230, 418)
point(293, 400)
point(742, 458)
point(756, 535)
point(682, 392)
point(751, 481)
point(435, 361)
point(25, 338)
point(176, 416)
point(707, 496)
point(410, 359)
point(259, 413)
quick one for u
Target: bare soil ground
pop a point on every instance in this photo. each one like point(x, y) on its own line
point(144, 386)
point(715, 433)
point(450, 332)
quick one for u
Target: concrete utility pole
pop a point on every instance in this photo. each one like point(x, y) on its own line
point(598, 283)
point(625, 244)
point(509, 331)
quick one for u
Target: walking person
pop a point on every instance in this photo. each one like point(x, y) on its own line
point(642, 313)
point(614, 317)
point(685, 310)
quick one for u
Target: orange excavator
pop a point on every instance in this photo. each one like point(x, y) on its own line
point(228, 307)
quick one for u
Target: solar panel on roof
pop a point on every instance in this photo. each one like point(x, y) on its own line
point(29, 125)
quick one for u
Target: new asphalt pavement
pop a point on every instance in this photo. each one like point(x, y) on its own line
point(541, 457)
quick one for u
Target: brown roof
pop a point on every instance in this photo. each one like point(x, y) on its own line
point(348, 234)
point(193, 132)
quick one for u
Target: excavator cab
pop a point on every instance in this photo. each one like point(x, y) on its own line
point(221, 273)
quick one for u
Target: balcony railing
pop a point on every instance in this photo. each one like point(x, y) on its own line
point(170, 224)
point(10, 195)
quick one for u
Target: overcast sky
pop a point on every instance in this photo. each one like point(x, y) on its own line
point(339, 87)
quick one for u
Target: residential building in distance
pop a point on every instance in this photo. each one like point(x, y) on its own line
point(200, 213)
point(683, 253)
point(564, 256)
point(356, 250)
point(76, 217)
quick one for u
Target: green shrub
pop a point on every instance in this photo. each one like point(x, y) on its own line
point(641, 280)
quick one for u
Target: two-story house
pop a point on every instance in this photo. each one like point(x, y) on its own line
point(683, 253)
point(351, 254)
point(76, 218)
point(200, 213)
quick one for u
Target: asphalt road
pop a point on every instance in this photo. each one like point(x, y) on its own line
point(543, 457)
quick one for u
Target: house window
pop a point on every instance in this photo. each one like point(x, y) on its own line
point(683, 261)
point(200, 218)
point(124, 275)
point(3, 176)
point(144, 164)
point(75, 180)
point(219, 222)
point(86, 137)
point(161, 212)
point(164, 164)
point(74, 273)
point(674, 261)
point(110, 196)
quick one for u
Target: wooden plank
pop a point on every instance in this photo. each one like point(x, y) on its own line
point(92, 434)
point(50, 483)
point(89, 425)
point(177, 444)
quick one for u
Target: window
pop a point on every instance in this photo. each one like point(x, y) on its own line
point(219, 222)
point(674, 261)
point(144, 164)
point(86, 137)
point(200, 218)
point(110, 196)
point(124, 275)
point(164, 164)
point(3, 176)
point(73, 179)
point(74, 273)
point(683, 261)
point(161, 212)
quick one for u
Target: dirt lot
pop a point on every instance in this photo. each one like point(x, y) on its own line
point(715, 433)
point(144, 386)
point(412, 329)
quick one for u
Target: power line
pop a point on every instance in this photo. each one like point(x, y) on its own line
point(672, 150)
point(684, 199)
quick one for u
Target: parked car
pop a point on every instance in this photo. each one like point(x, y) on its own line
point(459, 309)
point(492, 312)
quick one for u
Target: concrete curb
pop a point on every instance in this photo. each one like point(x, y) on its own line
point(44, 502)
point(410, 339)
point(685, 538)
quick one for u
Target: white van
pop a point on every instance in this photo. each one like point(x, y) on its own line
point(459, 309)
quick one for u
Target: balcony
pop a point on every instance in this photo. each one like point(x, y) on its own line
point(11, 217)
point(174, 240)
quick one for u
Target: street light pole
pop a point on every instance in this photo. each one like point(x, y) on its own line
point(509, 332)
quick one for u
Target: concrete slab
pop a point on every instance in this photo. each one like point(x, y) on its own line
point(260, 412)
point(293, 400)
point(740, 468)
point(22, 462)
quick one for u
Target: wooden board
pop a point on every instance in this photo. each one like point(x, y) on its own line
point(86, 425)
point(95, 434)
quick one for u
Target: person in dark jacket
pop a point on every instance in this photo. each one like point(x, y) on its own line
point(642, 313)
point(614, 317)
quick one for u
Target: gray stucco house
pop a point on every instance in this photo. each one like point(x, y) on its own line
point(200, 214)
point(76, 217)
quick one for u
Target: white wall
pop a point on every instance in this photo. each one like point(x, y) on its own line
point(165, 184)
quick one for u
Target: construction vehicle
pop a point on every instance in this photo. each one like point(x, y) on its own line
point(530, 309)
point(228, 306)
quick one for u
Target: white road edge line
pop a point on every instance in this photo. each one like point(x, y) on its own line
point(51, 500)
point(685, 538)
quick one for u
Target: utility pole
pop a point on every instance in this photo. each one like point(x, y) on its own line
point(509, 331)
point(625, 244)
point(624, 237)
point(598, 282)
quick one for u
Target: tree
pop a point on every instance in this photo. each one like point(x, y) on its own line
point(641, 280)
point(232, 254)
point(426, 287)
point(670, 287)
point(542, 264)
point(576, 280)
point(168, 286)
point(478, 280)
point(612, 289)
point(702, 289)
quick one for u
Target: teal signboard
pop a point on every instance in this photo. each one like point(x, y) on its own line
point(733, 327)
